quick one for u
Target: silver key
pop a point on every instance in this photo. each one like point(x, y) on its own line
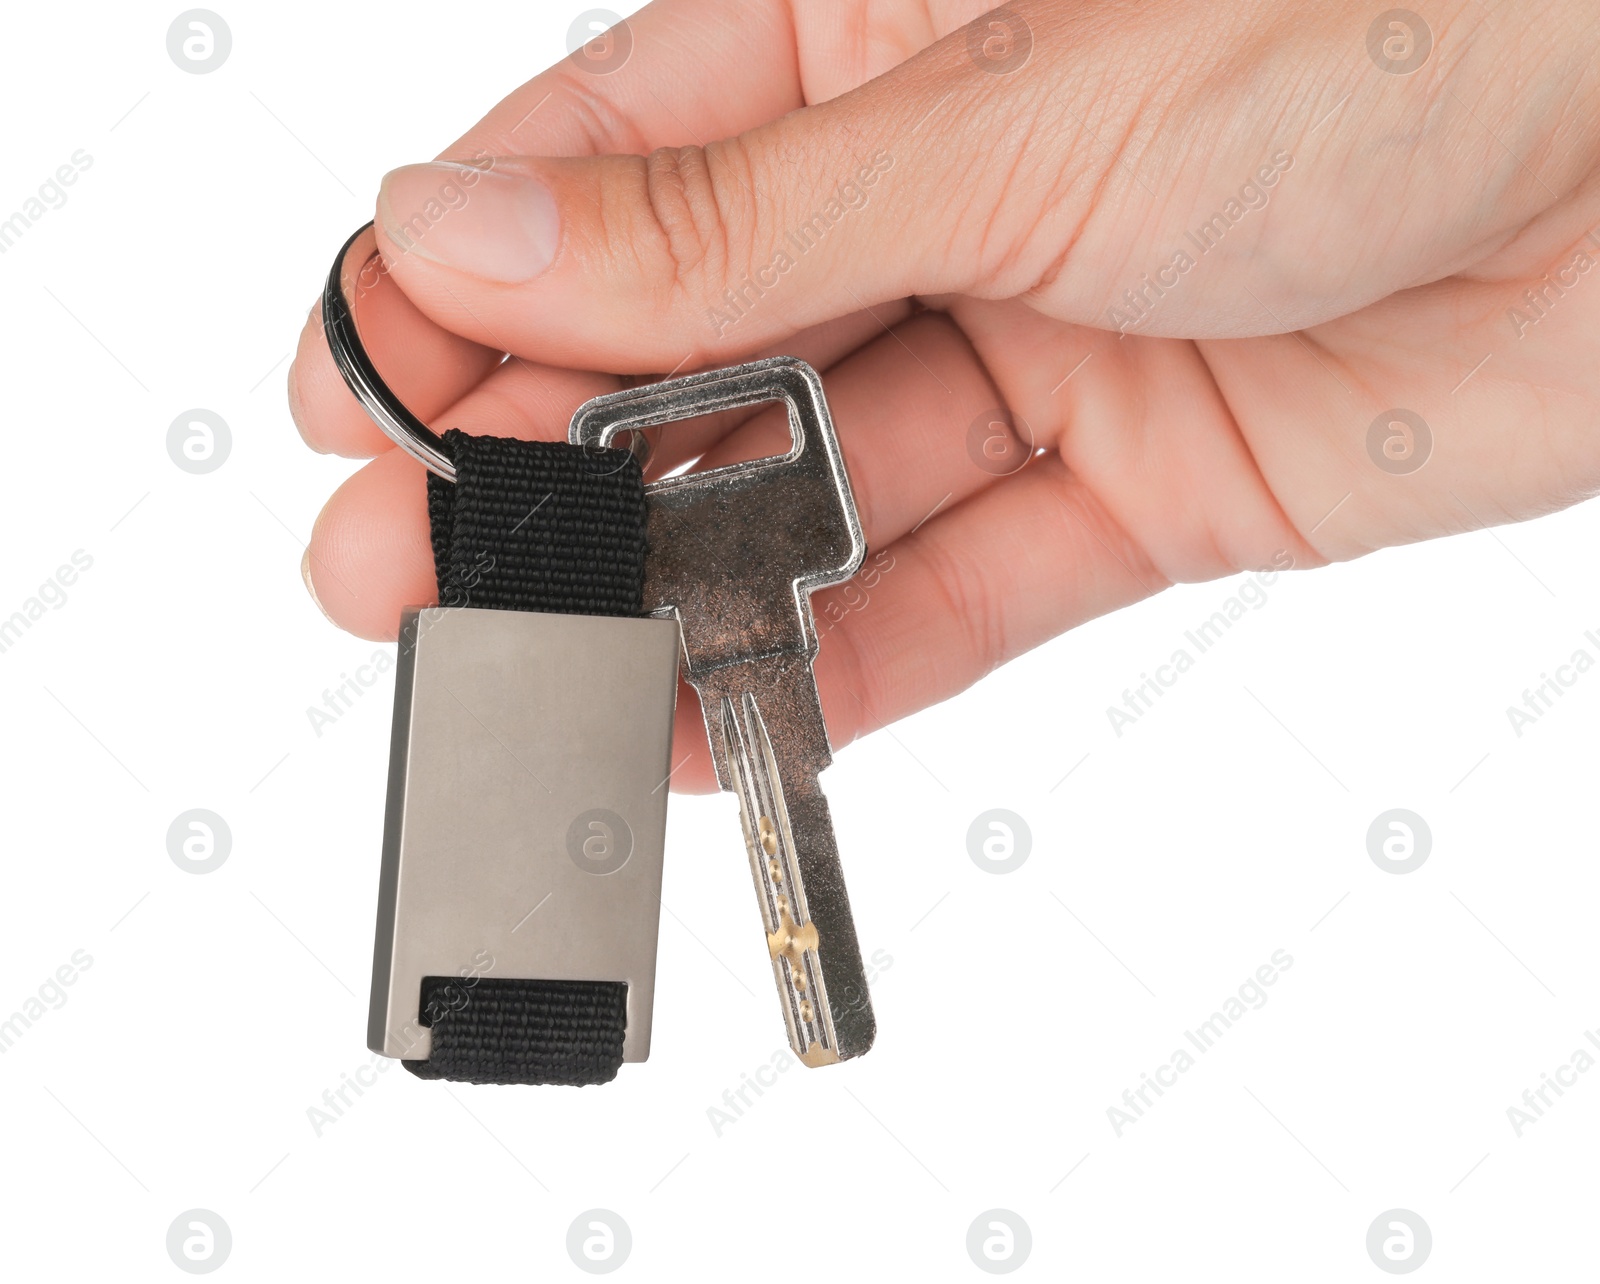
point(735, 553)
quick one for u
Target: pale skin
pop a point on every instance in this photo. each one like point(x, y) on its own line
point(984, 274)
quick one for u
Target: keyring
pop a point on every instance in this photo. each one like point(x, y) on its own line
point(361, 375)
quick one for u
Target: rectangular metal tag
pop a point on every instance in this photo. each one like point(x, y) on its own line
point(527, 809)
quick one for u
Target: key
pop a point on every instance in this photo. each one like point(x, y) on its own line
point(735, 553)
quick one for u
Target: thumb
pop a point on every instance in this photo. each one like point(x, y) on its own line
point(640, 263)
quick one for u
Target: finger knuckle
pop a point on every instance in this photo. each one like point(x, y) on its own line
point(973, 610)
point(691, 216)
point(590, 111)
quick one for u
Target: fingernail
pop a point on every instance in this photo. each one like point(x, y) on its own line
point(486, 222)
point(311, 588)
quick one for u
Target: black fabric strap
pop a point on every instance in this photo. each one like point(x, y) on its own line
point(494, 1030)
point(532, 526)
point(538, 526)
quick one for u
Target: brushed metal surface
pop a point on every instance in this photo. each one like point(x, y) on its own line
point(510, 727)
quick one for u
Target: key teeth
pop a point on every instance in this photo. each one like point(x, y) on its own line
point(817, 1056)
point(792, 944)
point(819, 1032)
point(860, 1033)
point(738, 763)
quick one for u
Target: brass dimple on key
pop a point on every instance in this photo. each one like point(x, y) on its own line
point(734, 554)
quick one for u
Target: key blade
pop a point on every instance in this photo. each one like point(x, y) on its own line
point(794, 861)
point(792, 936)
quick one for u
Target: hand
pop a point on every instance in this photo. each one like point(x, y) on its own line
point(1106, 297)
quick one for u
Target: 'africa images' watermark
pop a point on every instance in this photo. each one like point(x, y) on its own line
point(599, 42)
point(52, 593)
point(1252, 995)
point(1539, 700)
point(50, 195)
point(1545, 294)
point(453, 193)
point(1535, 1101)
point(1139, 301)
point(1251, 595)
point(736, 1101)
point(199, 41)
point(444, 998)
point(50, 995)
point(338, 701)
point(456, 591)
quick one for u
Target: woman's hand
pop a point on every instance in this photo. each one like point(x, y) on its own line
point(1106, 296)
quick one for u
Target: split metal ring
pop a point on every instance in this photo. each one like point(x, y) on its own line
point(356, 270)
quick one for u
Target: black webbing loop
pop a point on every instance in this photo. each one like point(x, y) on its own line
point(494, 1030)
point(538, 526)
point(532, 526)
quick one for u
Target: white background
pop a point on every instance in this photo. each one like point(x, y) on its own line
point(1229, 823)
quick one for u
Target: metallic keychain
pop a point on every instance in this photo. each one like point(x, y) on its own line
point(734, 554)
